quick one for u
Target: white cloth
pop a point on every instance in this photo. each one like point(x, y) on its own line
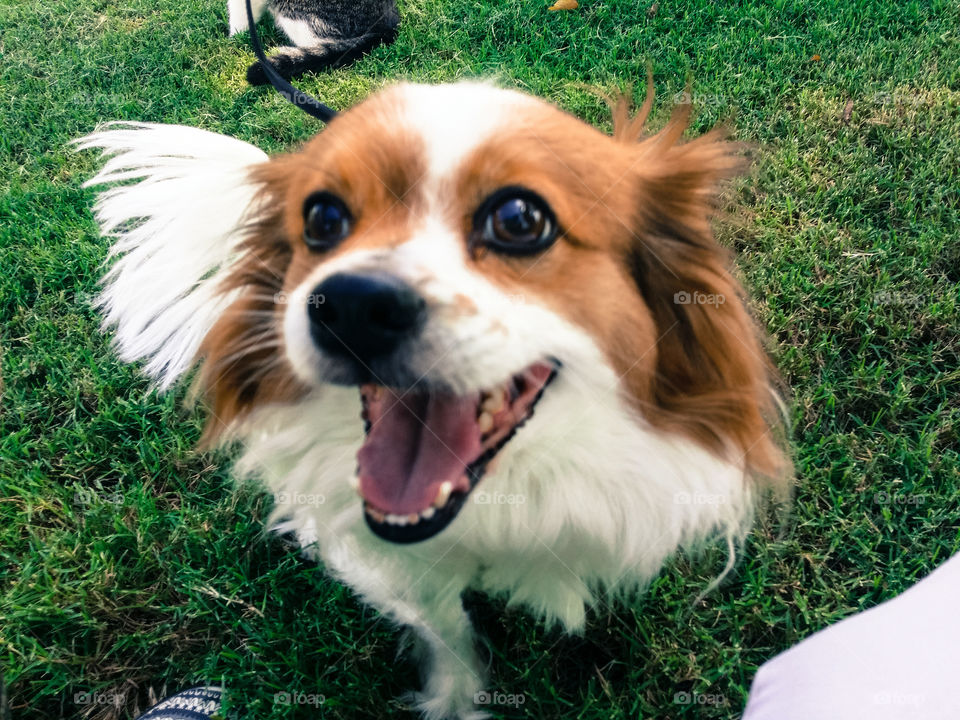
point(897, 661)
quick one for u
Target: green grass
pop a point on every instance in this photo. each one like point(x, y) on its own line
point(130, 565)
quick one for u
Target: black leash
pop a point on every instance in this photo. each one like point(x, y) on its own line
point(308, 104)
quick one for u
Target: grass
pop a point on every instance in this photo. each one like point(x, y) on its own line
point(131, 566)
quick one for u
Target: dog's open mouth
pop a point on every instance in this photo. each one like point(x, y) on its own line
point(425, 451)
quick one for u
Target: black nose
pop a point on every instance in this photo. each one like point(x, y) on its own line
point(363, 316)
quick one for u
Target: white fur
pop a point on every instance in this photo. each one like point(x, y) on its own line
point(237, 9)
point(605, 499)
point(175, 231)
point(303, 33)
point(456, 120)
point(300, 32)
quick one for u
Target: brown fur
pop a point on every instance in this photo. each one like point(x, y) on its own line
point(714, 379)
point(243, 363)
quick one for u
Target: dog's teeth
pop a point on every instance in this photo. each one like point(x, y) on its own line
point(355, 482)
point(428, 513)
point(396, 519)
point(375, 514)
point(485, 422)
point(443, 494)
point(413, 518)
point(494, 403)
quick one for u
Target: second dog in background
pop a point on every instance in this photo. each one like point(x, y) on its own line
point(324, 33)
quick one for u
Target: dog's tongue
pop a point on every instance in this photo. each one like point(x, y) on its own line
point(417, 441)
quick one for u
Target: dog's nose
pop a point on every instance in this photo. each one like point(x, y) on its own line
point(364, 316)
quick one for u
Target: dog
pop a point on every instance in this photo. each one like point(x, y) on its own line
point(325, 33)
point(468, 340)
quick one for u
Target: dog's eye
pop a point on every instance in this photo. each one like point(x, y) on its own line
point(515, 221)
point(327, 221)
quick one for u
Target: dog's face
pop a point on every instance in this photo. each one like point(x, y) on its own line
point(463, 254)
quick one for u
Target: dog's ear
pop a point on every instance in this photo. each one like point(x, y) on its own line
point(176, 213)
point(713, 376)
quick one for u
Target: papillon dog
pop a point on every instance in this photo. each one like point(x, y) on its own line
point(467, 340)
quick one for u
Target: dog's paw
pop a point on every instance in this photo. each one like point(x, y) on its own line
point(238, 25)
point(256, 75)
point(237, 13)
point(450, 697)
point(434, 707)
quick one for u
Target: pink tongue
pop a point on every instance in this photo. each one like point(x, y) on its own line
point(415, 444)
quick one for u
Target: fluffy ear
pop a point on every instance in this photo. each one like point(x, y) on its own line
point(714, 378)
point(176, 219)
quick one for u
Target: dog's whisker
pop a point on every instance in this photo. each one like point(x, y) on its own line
point(248, 349)
point(252, 313)
point(259, 373)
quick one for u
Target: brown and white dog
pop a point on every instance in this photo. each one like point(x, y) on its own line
point(513, 335)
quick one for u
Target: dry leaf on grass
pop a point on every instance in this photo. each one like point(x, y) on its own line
point(847, 112)
point(564, 5)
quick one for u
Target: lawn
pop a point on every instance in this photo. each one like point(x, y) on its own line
point(132, 566)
